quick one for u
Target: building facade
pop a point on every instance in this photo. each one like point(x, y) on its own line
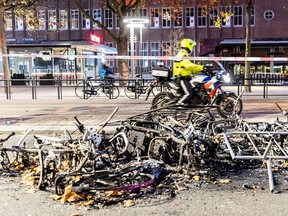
point(64, 30)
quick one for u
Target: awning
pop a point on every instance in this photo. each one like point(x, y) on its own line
point(82, 45)
point(275, 42)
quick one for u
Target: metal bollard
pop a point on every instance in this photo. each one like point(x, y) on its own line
point(59, 88)
point(34, 84)
point(270, 175)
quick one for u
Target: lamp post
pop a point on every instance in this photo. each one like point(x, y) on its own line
point(132, 23)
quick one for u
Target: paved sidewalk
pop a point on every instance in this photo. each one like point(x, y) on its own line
point(18, 115)
point(53, 114)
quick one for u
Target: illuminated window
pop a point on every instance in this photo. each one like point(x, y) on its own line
point(154, 51)
point(167, 51)
point(253, 16)
point(86, 20)
point(227, 21)
point(74, 19)
point(201, 17)
point(52, 20)
point(29, 21)
point(41, 19)
point(63, 19)
point(108, 18)
point(238, 16)
point(96, 16)
point(190, 19)
point(213, 15)
point(19, 23)
point(154, 18)
point(166, 17)
point(178, 17)
point(144, 52)
point(8, 25)
point(143, 12)
point(117, 21)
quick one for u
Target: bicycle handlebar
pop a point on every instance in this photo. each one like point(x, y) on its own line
point(8, 137)
point(79, 125)
point(280, 108)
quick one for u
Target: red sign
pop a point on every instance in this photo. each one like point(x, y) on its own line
point(95, 38)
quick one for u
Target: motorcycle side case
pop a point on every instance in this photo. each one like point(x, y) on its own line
point(161, 72)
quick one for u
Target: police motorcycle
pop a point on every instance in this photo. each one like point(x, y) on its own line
point(207, 90)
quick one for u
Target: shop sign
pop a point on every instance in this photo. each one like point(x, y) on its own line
point(95, 38)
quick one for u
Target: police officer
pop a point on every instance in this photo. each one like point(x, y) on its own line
point(184, 68)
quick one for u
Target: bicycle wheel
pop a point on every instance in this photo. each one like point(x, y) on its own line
point(162, 99)
point(111, 91)
point(230, 105)
point(81, 93)
point(60, 184)
point(133, 90)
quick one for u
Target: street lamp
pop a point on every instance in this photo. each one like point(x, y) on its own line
point(132, 23)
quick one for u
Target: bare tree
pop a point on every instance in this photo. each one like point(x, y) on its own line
point(19, 7)
point(249, 8)
point(120, 8)
point(176, 36)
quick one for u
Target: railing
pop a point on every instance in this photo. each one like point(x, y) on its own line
point(64, 88)
point(259, 78)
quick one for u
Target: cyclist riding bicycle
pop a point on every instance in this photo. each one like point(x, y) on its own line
point(106, 72)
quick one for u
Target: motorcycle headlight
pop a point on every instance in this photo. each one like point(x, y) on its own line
point(226, 78)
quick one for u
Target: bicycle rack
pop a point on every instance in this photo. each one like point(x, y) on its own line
point(271, 151)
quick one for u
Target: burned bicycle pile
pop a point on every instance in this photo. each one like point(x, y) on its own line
point(148, 153)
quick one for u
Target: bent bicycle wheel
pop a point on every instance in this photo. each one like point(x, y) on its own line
point(112, 92)
point(60, 184)
point(81, 92)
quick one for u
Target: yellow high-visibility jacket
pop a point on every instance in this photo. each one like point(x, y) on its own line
point(183, 67)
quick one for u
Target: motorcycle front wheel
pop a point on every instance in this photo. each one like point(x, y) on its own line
point(230, 106)
point(162, 99)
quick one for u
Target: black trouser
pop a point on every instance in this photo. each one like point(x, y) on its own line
point(187, 88)
point(109, 76)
